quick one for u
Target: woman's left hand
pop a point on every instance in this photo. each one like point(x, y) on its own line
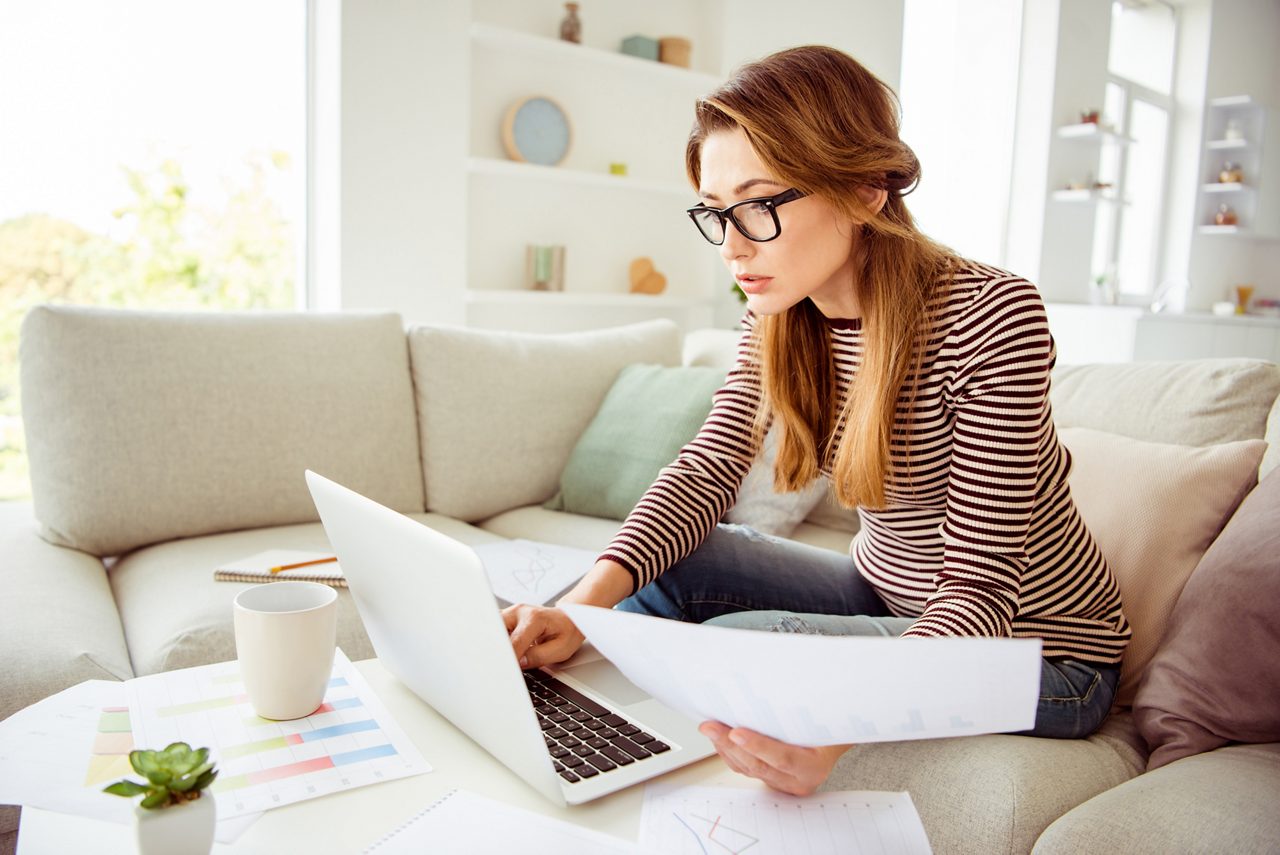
point(789, 768)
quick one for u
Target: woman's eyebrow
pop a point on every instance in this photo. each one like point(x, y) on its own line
point(741, 188)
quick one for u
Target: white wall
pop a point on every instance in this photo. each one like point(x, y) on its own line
point(868, 30)
point(387, 167)
point(959, 99)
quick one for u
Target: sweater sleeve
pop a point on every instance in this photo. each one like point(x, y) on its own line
point(691, 494)
point(999, 395)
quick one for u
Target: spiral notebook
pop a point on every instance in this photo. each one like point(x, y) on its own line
point(464, 823)
point(257, 568)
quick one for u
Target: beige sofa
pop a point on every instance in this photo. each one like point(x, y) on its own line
point(164, 444)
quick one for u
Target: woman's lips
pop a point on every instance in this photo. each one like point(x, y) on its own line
point(754, 285)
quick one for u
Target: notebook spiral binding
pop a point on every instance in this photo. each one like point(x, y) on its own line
point(386, 838)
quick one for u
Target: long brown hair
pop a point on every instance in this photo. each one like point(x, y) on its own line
point(825, 125)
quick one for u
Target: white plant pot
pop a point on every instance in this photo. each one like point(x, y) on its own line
point(185, 829)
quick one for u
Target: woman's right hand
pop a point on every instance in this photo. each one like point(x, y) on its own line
point(541, 635)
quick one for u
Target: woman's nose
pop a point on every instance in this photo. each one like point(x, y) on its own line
point(735, 245)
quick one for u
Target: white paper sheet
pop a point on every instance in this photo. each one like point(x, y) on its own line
point(526, 571)
point(731, 820)
point(59, 753)
point(350, 742)
point(462, 821)
point(823, 690)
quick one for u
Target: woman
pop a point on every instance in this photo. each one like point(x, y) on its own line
point(916, 380)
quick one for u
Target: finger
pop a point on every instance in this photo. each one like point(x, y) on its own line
point(527, 632)
point(511, 616)
point(547, 651)
point(782, 756)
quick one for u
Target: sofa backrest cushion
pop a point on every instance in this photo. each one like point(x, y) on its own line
point(1154, 508)
point(147, 426)
point(499, 412)
point(1216, 677)
point(1193, 402)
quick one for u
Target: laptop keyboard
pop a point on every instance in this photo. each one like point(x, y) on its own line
point(584, 738)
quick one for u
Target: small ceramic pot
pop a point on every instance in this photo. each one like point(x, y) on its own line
point(185, 829)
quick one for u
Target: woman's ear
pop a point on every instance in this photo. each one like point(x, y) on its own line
point(873, 197)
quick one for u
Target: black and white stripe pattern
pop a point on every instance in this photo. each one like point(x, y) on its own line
point(980, 536)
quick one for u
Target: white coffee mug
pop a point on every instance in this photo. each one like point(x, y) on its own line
point(286, 634)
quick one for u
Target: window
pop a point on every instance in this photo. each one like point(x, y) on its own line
point(151, 155)
point(1127, 235)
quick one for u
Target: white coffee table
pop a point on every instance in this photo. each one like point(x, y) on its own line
point(348, 822)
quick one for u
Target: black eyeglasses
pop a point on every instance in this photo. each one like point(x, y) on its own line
point(755, 219)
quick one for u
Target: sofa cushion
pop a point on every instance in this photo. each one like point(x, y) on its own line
point(994, 793)
point(499, 412)
point(1194, 402)
point(1223, 801)
point(1154, 508)
point(60, 624)
point(1216, 677)
point(147, 426)
point(176, 616)
point(649, 413)
point(1271, 460)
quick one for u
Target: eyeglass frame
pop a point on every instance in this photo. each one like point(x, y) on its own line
point(770, 202)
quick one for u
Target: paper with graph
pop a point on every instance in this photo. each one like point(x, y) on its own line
point(350, 741)
point(823, 690)
point(526, 571)
point(59, 753)
point(738, 821)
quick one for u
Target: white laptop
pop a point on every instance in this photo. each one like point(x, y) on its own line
point(574, 732)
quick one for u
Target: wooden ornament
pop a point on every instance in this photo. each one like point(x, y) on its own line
point(645, 279)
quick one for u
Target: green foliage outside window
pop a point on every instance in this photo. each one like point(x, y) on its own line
point(168, 254)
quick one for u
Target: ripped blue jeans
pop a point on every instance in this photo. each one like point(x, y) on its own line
point(741, 578)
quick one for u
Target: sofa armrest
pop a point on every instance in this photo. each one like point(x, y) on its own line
point(61, 626)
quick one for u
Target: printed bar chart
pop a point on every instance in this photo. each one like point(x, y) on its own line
point(349, 741)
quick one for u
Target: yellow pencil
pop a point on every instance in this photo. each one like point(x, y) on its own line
point(302, 564)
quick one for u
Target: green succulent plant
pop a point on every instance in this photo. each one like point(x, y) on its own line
point(175, 775)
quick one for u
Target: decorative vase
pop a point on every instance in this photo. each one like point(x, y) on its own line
point(571, 26)
point(1225, 216)
point(185, 829)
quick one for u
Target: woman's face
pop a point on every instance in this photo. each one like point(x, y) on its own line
point(813, 255)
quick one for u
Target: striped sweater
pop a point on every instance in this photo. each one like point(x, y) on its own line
point(979, 536)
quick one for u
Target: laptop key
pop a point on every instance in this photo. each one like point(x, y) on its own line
point(628, 730)
point(631, 748)
point(557, 733)
point(657, 747)
point(558, 717)
point(573, 761)
point(581, 716)
point(571, 725)
point(586, 771)
point(544, 708)
point(575, 696)
point(595, 724)
point(558, 767)
point(559, 752)
point(546, 725)
point(570, 742)
point(641, 738)
point(616, 756)
point(584, 750)
point(613, 720)
point(607, 733)
point(604, 764)
point(570, 777)
point(597, 742)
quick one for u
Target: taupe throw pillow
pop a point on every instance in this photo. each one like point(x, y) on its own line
point(1216, 677)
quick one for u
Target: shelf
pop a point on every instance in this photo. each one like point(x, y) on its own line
point(1092, 196)
point(574, 298)
point(558, 174)
point(1232, 101)
point(1226, 187)
point(1228, 144)
point(503, 39)
point(1224, 230)
point(1091, 132)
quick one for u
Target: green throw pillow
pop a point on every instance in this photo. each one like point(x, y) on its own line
point(649, 414)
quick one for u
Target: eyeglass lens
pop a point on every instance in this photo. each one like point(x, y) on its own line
point(753, 219)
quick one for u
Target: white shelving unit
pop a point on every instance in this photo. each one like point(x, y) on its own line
point(621, 109)
point(1240, 130)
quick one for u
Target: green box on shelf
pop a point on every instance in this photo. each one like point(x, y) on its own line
point(641, 46)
